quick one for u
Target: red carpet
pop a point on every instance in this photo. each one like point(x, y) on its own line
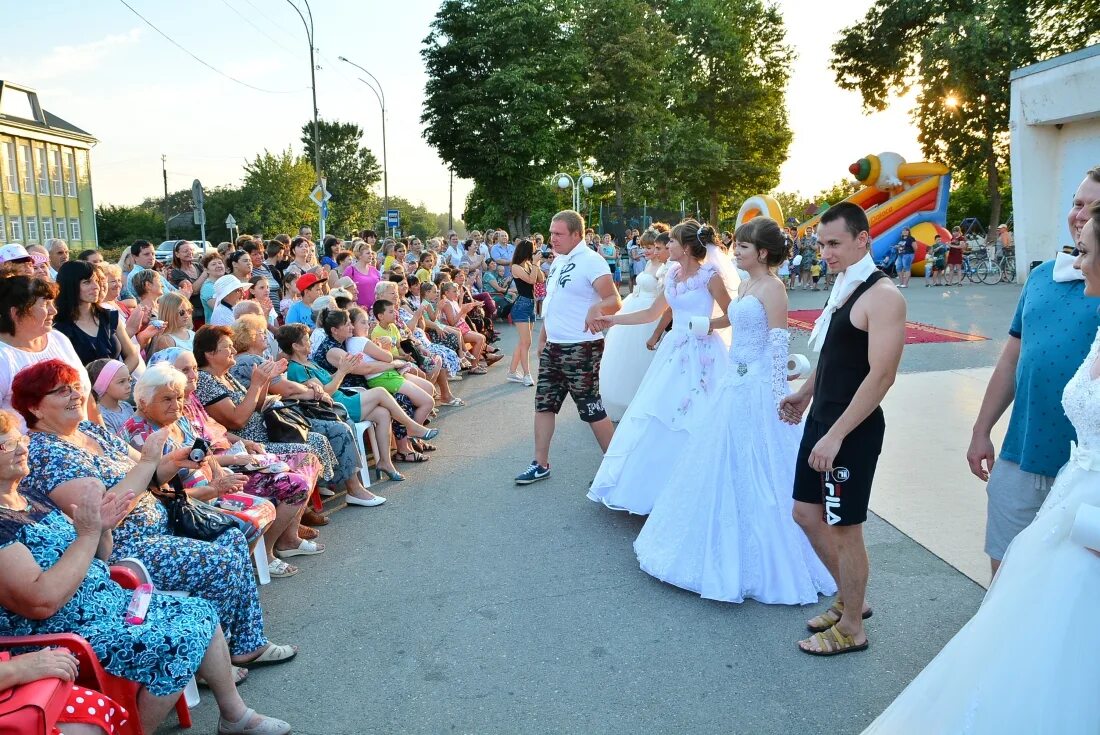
point(914, 333)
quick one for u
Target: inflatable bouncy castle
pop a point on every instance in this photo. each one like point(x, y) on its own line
point(895, 194)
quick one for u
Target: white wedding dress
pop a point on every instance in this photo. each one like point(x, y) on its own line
point(625, 355)
point(664, 417)
point(723, 526)
point(1029, 659)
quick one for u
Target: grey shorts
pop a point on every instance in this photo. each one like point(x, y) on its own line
point(1015, 497)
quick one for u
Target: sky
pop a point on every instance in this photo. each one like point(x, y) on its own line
point(100, 67)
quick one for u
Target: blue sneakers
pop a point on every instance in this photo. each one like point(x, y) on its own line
point(533, 473)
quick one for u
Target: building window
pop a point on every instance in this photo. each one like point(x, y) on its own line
point(11, 172)
point(43, 171)
point(70, 174)
point(16, 229)
point(47, 228)
point(32, 229)
point(61, 229)
point(55, 174)
point(28, 170)
point(74, 229)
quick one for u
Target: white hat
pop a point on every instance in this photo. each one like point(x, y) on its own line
point(13, 251)
point(338, 293)
point(323, 302)
point(226, 285)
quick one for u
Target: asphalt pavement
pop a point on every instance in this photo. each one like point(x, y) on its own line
point(466, 604)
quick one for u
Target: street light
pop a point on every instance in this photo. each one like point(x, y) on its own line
point(381, 96)
point(583, 178)
point(313, 83)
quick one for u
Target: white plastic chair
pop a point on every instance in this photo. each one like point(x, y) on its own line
point(368, 428)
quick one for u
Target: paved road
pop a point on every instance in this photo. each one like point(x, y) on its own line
point(468, 605)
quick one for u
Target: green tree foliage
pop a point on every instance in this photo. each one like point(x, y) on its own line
point(960, 55)
point(972, 200)
point(349, 168)
point(121, 225)
point(275, 194)
point(500, 77)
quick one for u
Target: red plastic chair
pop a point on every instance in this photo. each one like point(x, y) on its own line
point(92, 675)
point(32, 708)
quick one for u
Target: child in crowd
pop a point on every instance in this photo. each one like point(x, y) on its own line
point(815, 273)
point(939, 262)
point(111, 388)
point(928, 259)
point(385, 333)
point(290, 297)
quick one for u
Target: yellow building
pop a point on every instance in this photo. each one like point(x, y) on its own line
point(45, 179)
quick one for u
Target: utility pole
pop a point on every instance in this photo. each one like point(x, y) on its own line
point(313, 85)
point(380, 95)
point(164, 172)
point(451, 203)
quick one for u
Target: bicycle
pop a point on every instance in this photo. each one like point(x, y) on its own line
point(1000, 270)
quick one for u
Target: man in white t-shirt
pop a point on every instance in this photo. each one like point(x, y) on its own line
point(578, 290)
point(454, 252)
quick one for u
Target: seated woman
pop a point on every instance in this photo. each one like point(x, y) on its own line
point(54, 579)
point(437, 330)
point(375, 370)
point(68, 453)
point(375, 404)
point(159, 396)
point(249, 339)
point(82, 713)
point(177, 313)
point(453, 314)
point(94, 332)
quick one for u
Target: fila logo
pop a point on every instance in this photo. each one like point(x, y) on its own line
point(833, 492)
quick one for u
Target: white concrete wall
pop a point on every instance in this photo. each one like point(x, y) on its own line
point(1055, 137)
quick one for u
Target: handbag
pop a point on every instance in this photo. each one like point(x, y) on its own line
point(285, 425)
point(32, 707)
point(190, 518)
point(313, 410)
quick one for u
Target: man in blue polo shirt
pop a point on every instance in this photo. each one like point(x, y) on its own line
point(1051, 334)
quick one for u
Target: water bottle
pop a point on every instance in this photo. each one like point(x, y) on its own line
point(139, 604)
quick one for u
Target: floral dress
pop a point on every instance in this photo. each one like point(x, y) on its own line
point(210, 391)
point(219, 571)
point(445, 353)
point(448, 339)
point(162, 654)
point(320, 357)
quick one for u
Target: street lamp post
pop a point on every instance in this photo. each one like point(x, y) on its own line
point(566, 181)
point(313, 84)
point(380, 94)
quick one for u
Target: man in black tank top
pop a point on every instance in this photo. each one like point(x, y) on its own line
point(860, 336)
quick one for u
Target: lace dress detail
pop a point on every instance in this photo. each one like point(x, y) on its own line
point(982, 682)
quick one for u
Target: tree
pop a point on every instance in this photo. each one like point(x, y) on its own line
point(727, 79)
point(960, 56)
point(617, 109)
point(275, 193)
point(350, 170)
point(121, 225)
point(500, 77)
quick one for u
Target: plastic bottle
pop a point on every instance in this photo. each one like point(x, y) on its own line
point(139, 604)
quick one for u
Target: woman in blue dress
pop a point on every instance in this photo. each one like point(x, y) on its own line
point(53, 579)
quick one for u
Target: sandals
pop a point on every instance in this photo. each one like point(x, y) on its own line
point(307, 533)
point(304, 548)
point(422, 446)
point(272, 656)
point(266, 725)
point(479, 370)
point(409, 457)
point(455, 402)
point(830, 617)
point(278, 568)
point(832, 642)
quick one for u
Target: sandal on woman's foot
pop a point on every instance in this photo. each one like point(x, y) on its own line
point(455, 402)
point(831, 642)
point(272, 655)
point(279, 568)
point(263, 726)
point(422, 446)
point(428, 435)
point(479, 370)
point(409, 457)
point(304, 548)
point(307, 533)
point(830, 617)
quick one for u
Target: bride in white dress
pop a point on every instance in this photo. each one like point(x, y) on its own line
point(722, 526)
point(1029, 659)
point(625, 354)
point(681, 380)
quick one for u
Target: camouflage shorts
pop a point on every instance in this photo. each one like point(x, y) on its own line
point(572, 369)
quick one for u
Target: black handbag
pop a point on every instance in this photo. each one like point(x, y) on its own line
point(192, 518)
point(285, 425)
point(313, 410)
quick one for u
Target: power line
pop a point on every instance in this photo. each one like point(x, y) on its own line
point(196, 58)
point(264, 33)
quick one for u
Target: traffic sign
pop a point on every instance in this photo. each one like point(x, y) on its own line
point(324, 209)
point(393, 218)
point(230, 223)
point(319, 195)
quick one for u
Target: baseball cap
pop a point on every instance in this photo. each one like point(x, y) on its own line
point(13, 251)
point(1002, 227)
point(226, 285)
point(305, 281)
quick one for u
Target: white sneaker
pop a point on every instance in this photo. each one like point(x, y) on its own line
point(528, 381)
point(515, 378)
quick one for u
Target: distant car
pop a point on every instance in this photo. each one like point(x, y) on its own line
point(164, 250)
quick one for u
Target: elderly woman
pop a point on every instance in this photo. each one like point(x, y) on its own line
point(240, 409)
point(375, 404)
point(26, 334)
point(54, 579)
point(249, 340)
point(93, 331)
point(159, 396)
point(69, 454)
point(177, 313)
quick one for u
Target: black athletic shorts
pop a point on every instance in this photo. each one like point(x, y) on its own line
point(844, 493)
point(574, 370)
